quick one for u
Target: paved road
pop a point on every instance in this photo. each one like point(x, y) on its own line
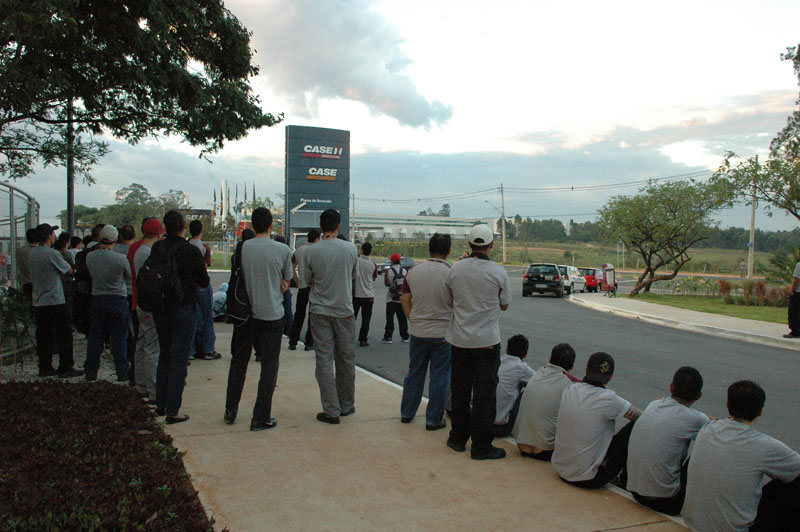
point(646, 355)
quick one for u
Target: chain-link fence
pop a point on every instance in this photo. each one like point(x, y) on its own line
point(19, 211)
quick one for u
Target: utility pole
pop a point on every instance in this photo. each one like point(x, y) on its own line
point(70, 170)
point(751, 247)
point(503, 215)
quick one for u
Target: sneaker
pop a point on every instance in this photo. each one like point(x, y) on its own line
point(405, 340)
point(292, 347)
point(493, 453)
point(211, 356)
point(191, 357)
point(386, 340)
point(363, 343)
point(72, 372)
point(441, 425)
point(791, 335)
point(308, 348)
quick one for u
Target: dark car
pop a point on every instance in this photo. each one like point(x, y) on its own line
point(542, 278)
point(593, 277)
point(405, 262)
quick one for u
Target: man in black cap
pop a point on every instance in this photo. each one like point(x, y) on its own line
point(587, 453)
point(53, 325)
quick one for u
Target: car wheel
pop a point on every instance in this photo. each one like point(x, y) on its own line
point(525, 294)
point(570, 289)
point(560, 292)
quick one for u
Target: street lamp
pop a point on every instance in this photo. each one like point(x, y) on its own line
point(503, 218)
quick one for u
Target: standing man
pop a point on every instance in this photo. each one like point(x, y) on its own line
point(303, 290)
point(425, 303)
point(267, 270)
point(794, 303)
point(53, 325)
point(393, 278)
point(478, 290)
point(23, 263)
point(204, 339)
point(363, 294)
point(126, 236)
point(330, 270)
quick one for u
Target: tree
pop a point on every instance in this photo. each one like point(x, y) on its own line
point(444, 211)
point(786, 143)
point(134, 194)
point(83, 215)
point(662, 222)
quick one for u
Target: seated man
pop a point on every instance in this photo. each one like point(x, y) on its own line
point(727, 470)
point(659, 444)
point(535, 429)
point(512, 377)
point(219, 301)
point(587, 453)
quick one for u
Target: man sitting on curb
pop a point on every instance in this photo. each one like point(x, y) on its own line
point(587, 453)
point(659, 444)
point(512, 377)
point(535, 429)
point(727, 470)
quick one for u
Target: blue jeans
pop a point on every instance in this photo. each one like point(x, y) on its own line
point(204, 337)
point(175, 332)
point(421, 352)
point(288, 318)
point(109, 315)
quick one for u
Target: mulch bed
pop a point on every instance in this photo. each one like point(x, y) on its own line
point(79, 456)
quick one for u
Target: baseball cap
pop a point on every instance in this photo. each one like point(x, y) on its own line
point(45, 230)
point(109, 234)
point(395, 257)
point(481, 235)
point(600, 367)
point(153, 227)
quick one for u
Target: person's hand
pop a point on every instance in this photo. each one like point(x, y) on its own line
point(284, 285)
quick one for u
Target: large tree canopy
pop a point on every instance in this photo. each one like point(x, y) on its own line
point(662, 222)
point(132, 68)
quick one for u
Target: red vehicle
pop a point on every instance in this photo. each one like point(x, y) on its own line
point(593, 278)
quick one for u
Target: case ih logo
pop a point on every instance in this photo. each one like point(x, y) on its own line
point(322, 152)
point(322, 174)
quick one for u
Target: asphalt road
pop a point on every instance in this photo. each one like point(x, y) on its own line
point(646, 355)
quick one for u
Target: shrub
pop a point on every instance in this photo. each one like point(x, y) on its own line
point(724, 287)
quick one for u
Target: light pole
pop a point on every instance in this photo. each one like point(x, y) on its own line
point(503, 218)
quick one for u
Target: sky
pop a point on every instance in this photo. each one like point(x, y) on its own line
point(449, 97)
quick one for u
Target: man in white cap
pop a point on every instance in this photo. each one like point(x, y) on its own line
point(477, 289)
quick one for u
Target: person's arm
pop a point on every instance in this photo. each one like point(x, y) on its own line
point(288, 273)
point(405, 298)
point(505, 292)
point(632, 413)
point(375, 271)
point(795, 282)
point(386, 276)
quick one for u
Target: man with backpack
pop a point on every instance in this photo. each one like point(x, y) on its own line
point(393, 278)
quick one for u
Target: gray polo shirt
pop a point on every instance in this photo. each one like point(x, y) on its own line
point(430, 309)
point(658, 447)
point(512, 375)
point(729, 464)
point(46, 268)
point(366, 274)
point(140, 257)
point(299, 260)
point(123, 250)
point(23, 264)
point(265, 263)
point(538, 408)
point(331, 268)
point(476, 287)
point(109, 270)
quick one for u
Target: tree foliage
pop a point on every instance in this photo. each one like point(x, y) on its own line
point(786, 143)
point(662, 222)
point(132, 69)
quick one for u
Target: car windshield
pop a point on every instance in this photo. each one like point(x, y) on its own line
point(542, 269)
point(563, 270)
point(587, 271)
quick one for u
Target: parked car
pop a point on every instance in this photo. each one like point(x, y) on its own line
point(542, 278)
point(572, 279)
point(405, 262)
point(593, 278)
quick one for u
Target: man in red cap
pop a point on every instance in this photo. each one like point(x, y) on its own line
point(393, 278)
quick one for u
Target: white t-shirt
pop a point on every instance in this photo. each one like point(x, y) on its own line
point(585, 429)
point(658, 447)
point(538, 409)
point(726, 474)
point(511, 376)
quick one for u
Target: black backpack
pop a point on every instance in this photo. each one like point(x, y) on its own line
point(158, 283)
point(237, 304)
point(83, 280)
point(396, 286)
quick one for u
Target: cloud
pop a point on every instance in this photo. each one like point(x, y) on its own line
point(311, 50)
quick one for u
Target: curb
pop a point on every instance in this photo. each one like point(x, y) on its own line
point(693, 327)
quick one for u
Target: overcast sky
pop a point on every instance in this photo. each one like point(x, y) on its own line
point(449, 97)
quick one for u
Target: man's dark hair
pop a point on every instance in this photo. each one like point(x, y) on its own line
point(563, 356)
point(62, 237)
point(195, 228)
point(127, 233)
point(517, 346)
point(75, 242)
point(366, 249)
point(476, 247)
point(329, 220)
point(87, 240)
point(687, 383)
point(439, 244)
point(261, 219)
point(340, 236)
point(313, 235)
point(32, 235)
point(280, 238)
point(745, 400)
point(173, 222)
point(60, 245)
point(144, 221)
point(247, 234)
point(96, 231)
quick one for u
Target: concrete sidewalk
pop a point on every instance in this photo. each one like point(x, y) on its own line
point(369, 473)
point(758, 332)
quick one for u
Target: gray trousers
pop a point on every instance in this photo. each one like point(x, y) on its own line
point(146, 359)
point(334, 340)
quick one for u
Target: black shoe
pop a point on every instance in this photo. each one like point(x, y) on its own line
point(347, 413)
point(292, 347)
point(442, 425)
point(457, 447)
point(90, 378)
point(493, 453)
point(211, 356)
point(72, 372)
point(230, 416)
point(48, 372)
point(406, 419)
point(171, 420)
point(308, 348)
point(791, 335)
point(263, 425)
point(327, 419)
point(191, 357)
point(122, 379)
point(363, 343)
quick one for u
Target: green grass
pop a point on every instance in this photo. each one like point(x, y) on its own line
point(714, 305)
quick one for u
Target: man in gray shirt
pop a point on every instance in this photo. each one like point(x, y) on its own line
point(53, 325)
point(331, 268)
point(110, 311)
point(147, 348)
point(303, 291)
point(23, 262)
point(794, 303)
point(363, 294)
point(729, 464)
point(267, 270)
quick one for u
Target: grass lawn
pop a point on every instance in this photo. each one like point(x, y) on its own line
point(715, 305)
